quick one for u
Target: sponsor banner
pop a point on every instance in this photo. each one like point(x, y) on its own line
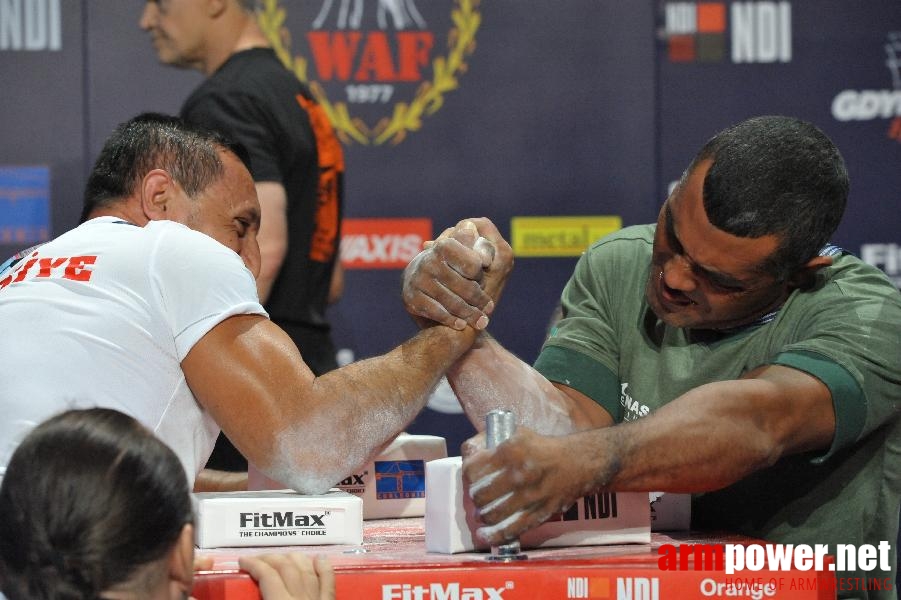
point(857, 105)
point(558, 236)
point(556, 580)
point(24, 205)
point(382, 243)
point(740, 32)
point(575, 582)
point(377, 68)
point(638, 574)
point(30, 25)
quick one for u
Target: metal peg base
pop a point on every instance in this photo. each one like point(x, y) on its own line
point(506, 553)
point(499, 427)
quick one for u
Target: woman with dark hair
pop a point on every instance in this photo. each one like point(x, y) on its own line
point(94, 506)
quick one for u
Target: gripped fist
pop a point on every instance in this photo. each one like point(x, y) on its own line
point(521, 483)
point(457, 278)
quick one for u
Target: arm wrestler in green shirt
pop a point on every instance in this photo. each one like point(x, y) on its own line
point(727, 351)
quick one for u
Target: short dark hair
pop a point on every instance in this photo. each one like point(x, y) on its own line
point(189, 153)
point(776, 175)
point(89, 497)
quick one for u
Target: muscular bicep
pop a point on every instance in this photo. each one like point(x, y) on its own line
point(795, 407)
point(584, 411)
point(241, 372)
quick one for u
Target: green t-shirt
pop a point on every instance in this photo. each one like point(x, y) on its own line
point(846, 331)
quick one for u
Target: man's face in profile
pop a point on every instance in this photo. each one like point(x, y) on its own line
point(176, 29)
point(228, 211)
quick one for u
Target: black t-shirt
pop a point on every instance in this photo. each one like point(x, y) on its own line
point(255, 100)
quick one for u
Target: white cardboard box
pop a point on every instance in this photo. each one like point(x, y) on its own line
point(277, 518)
point(597, 519)
point(392, 485)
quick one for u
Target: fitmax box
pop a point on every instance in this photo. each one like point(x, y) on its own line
point(392, 485)
point(596, 519)
point(277, 518)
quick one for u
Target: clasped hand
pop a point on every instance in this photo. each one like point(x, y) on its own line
point(457, 279)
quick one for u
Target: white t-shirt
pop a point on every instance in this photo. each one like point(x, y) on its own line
point(103, 316)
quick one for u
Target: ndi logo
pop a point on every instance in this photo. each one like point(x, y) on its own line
point(637, 588)
point(759, 32)
point(30, 25)
point(594, 506)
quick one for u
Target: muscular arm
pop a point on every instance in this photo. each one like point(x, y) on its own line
point(707, 439)
point(308, 431)
point(489, 377)
point(273, 235)
point(720, 432)
point(212, 480)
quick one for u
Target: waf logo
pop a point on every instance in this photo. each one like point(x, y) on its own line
point(377, 67)
point(382, 243)
point(746, 32)
point(399, 479)
point(871, 104)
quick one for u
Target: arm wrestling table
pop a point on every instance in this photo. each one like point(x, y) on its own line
point(392, 564)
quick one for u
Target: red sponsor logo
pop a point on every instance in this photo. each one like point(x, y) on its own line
point(378, 69)
point(382, 243)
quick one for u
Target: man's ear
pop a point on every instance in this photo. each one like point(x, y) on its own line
point(215, 8)
point(157, 188)
point(805, 276)
point(181, 560)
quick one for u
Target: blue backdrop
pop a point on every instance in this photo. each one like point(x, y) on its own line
point(574, 107)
